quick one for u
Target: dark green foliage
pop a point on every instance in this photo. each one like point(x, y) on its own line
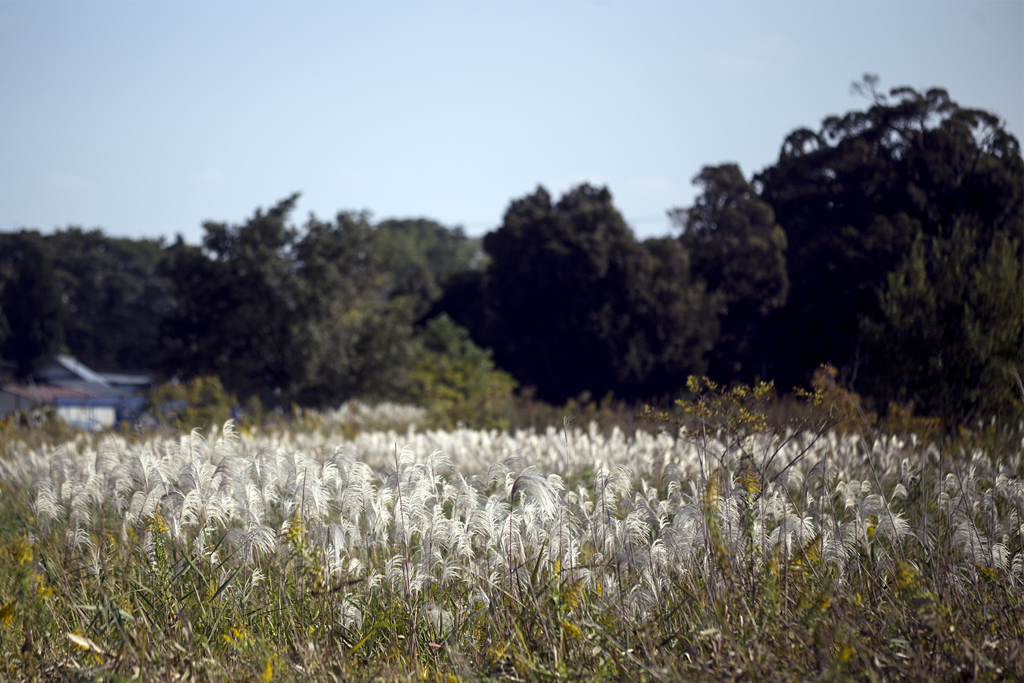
point(101, 297)
point(553, 290)
point(738, 250)
point(572, 302)
point(31, 310)
point(678, 320)
point(853, 196)
point(114, 297)
point(421, 256)
point(314, 315)
point(462, 300)
point(951, 339)
point(353, 333)
point(234, 305)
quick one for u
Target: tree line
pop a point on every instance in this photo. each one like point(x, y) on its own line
point(887, 243)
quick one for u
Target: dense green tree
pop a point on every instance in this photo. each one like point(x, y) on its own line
point(421, 256)
point(572, 302)
point(5, 331)
point(738, 250)
point(314, 315)
point(362, 286)
point(679, 320)
point(852, 197)
point(462, 300)
point(114, 297)
point(235, 301)
point(31, 307)
point(951, 338)
point(354, 332)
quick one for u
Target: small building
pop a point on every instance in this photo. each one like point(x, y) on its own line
point(81, 409)
point(66, 370)
point(80, 396)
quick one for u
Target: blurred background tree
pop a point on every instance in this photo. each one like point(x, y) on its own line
point(738, 250)
point(353, 335)
point(315, 315)
point(571, 302)
point(951, 338)
point(235, 305)
point(853, 197)
point(114, 297)
point(31, 308)
point(457, 381)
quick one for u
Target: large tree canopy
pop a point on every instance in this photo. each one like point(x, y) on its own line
point(316, 314)
point(354, 328)
point(100, 297)
point(853, 197)
point(572, 302)
point(235, 302)
point(888, 243)
point(738, 250)
point(31, 307)
point(114, 297)
point(951, 338)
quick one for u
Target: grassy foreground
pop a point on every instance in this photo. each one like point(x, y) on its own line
point(729, 551)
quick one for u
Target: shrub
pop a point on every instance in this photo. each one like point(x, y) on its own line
point(456, 380)
point(199, 403)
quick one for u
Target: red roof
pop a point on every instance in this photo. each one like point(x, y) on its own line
point(45, 393)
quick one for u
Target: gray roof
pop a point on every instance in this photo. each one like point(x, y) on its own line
point(64, 370)
point(126, 378)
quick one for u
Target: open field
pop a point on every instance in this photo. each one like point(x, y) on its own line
point(722, 553)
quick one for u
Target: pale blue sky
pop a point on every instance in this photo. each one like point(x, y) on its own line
point(146, 118)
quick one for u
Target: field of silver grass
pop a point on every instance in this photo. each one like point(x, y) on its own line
point(422, 551)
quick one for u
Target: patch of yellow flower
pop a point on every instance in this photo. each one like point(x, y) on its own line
point(572, 629)
point(7, 613)
point(156, 523)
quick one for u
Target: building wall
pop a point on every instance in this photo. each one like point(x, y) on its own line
point(11, 402)
point(88, 417)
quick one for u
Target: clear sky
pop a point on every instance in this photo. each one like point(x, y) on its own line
point(147, 118)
